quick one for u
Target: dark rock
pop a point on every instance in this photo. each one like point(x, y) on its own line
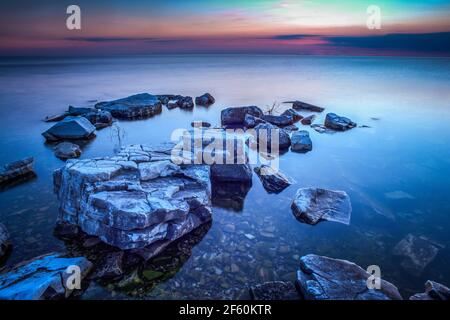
point(301, 142)
point(99, 118)
point(230, 195)
point(279, 121)
point(56, 117)
point(5, 244)
point(251, 121)
point(264, 134)
point(200, 124)
point(312, 205)
point(433, 291)
point(241, 173)
point(338, 123)
point(141, 105)
point(205, 100)
point(18, 170)
point(64, 230)
point(135, 199)
point(323, 278)
point(176, 101)
point(236, 115)
point(79, 111)
point(273, 181)
point(67, 150)
point(308, 120)
point(44, 277)
point(294, 114)
point(110, 267)
point(275, 290)
point(299, 105)
point(418, 252)
point(71, 128)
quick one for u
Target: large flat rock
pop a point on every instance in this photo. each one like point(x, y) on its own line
point(71, 128)
point(142, 105)
point(324, 278)
point(134, 199)
point(44, 277)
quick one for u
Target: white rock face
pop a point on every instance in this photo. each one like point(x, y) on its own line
point(135, 199)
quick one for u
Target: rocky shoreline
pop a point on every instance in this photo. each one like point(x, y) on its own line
point(119, 214)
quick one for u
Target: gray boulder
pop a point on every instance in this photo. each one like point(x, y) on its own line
point(324, 278)
point(17, 170)
point(221, 173)
point(138, 199)
point(264, 132)
point(274, 290)
point(67, 150)
point(338, 123)
point(312, 205)
point(299, 105)
point(433, 291)
point(5, 244)
point(236, 115)
point(279, 121)
point(273, 181)
point(71, 128)
point(205, 100)
point(44, 277)
point(141, 105)
point(301, 142)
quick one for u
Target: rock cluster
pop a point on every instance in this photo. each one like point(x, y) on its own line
point(142, 105)
point(433, 291)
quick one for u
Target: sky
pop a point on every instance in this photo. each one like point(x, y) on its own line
point(328, 27)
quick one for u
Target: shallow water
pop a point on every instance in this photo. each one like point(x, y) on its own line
point(406, 150)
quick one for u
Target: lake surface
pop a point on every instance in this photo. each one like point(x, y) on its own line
point(396, 172)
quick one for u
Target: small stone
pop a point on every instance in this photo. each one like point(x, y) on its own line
point(67, 150)
point(308, 120)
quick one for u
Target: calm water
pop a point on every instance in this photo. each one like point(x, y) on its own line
point(406, 150)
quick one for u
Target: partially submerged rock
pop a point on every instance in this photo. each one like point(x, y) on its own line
point(324, 278)
point(274, 290)
point(200, 124)
point(205, 100)
point(99, 118)
point(236, 115)
point(230, 195)
point(294, 114)
point(71, 128)
point(67, 150)
point(17, 170)
point(44, 277)
point(301, 142)
point(264, 133)
point(321, 128)
point(308, 120)
point(221, 173)
point(312, 205)
point(141, 105)
point(417, 252)
point(5, 244)
point(433, 291)
point(137, 199)
point(279, 121)
point(252, 121)
point(338, 123)
point(299, 105)
point(273, 180)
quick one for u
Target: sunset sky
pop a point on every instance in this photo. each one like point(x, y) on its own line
point(109, 27)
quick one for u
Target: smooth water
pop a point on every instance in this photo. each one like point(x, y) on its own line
point(406, 149)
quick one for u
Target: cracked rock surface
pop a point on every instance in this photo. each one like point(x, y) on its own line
point(137, 199)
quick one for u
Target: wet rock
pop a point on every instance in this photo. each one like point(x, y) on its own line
point(294, 114)
point(111, 266)
point(324, 278)
point(222, 173)
point(71, 128)
point(64, 230)
point(17, 170)
point(273, 181)
point(321, 128)
point(279, 121)
point(299, 105)
point(301, 142)
point(205, 100)
point(433, 291)
point(418, 252)
point(141, 105)
point(308, 120)
point(274, 290)
point(5, 244)
point(145, 203)
point(230, 195)
point(79, 111)
point(56, 117)
point(236, 115)
point(99, 118)
point(252, 121)
point(44, 277)
point(312, 205)
point(338, 123)
point(67, 150)
point(200, 124)
point(264, 134)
